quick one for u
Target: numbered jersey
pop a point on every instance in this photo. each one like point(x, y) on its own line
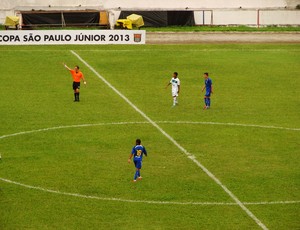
point(138, 151)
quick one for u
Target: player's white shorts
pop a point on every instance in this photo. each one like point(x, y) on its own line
point(174, 93)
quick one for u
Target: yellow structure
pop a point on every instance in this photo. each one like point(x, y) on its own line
point(132, 20)
point(104, 19)
point(124, 23)
point(136, 20)
point(11, 21)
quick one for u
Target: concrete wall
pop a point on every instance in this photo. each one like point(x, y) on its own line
point(224, 11)
point(10, 7)
point(11, 4)
point(248, 17)
point(280, 17)
point(199, 4)
point(229, 17)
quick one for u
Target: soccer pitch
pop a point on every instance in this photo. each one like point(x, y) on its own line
point(235, 166)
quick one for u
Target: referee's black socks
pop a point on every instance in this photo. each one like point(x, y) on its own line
point(76, 96)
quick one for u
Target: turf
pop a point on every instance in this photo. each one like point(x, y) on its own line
point(253, 85)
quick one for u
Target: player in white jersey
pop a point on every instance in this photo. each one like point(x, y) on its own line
point(175, 82)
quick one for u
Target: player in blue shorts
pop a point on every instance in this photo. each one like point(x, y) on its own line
point(208, 90)
point(137, 153)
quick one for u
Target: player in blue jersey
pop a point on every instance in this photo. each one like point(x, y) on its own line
point(208, 90)
point(137, 153)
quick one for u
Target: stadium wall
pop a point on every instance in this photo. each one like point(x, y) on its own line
point(248, 17)
point(197, 4)
point(10, 8)
point(235, 12)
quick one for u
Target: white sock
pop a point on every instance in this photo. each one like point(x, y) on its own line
point(174, 100)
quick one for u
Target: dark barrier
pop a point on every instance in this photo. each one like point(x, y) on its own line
point(60, 18)
point(163, 18)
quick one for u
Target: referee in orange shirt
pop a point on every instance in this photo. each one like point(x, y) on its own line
point(77, 76)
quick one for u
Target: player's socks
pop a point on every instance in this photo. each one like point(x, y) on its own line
point(205, 101)
point(139, 175)
point(174, 101)
point(208, 102)
point(136, 175)
point(77, 96)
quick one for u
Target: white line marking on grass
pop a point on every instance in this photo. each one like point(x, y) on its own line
point(143, 201)
point(228, 124)
point(145, 122)
point(191, 50)
point(71, 126)
point(114, 199)
point(140, 201)
point(273, 202)
point(212, 176)
point(34, 50)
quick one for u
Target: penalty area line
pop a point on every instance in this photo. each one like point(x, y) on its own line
point(189, 155)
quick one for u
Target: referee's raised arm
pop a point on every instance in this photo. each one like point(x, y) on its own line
point(66, 66)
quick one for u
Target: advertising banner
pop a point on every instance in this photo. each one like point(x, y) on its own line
point(72, 37)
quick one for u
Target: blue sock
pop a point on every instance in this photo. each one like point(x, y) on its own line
point(139, 173)
point(136, 175)
point(208, 102)
point(205, 101)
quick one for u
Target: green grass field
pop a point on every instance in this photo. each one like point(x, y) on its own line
point(68, 175)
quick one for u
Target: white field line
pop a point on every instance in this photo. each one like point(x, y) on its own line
point(273, 202)
point(35, 50)
point(114, 199)
point(188, 50)
point(229, 124)
point(70, 126)
point(189, 155)
point(145, 122)
point(144, 201)
point(193, 50)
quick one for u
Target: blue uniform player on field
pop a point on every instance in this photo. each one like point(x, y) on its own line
point(137, 153)
point(208, 90)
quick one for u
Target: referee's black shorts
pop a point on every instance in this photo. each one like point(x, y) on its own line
point(76, 85)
